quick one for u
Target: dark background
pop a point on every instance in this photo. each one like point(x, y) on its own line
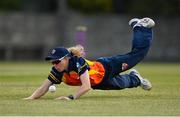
point(30, 28)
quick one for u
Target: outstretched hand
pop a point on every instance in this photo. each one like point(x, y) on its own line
point(28, 98)
point(63, 98)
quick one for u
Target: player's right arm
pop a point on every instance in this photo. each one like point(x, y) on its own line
point(40, 91)
point(53, 78)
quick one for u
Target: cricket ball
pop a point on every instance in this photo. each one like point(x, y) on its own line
point(52, 88)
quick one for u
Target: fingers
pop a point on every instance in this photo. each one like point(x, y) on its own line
point(62, 98)
point(28, 98)
point(59, 98)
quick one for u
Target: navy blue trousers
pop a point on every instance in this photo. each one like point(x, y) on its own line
point(114, 65)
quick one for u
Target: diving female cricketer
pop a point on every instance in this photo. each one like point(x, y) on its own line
point(70, 67)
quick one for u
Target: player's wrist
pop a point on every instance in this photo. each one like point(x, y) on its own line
point(71, 97)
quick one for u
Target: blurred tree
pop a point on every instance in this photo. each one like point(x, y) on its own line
point(91, 6)
point(148, 7)
point(40, 6)
point(133, 7)
point(9, 5)
point(29, 5)
point(120, 6)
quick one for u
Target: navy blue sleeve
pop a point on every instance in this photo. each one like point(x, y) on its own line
point(82, 66)
point(55, 76)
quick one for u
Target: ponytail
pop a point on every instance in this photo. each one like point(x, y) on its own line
point(77, 50)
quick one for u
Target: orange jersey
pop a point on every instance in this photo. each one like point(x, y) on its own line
point(96, 74)
point(76, 68)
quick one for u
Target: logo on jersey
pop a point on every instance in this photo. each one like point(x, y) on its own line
point(124, 66)
point(78, 66)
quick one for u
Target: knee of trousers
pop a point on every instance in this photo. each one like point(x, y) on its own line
point(138, 54)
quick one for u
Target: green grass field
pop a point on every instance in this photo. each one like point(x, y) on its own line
point(19, 80)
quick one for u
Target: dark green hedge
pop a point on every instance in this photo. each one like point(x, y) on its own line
point(154, 7)
point(138, 7)
point(135, 7)
point(91, 6)
point(8, 5)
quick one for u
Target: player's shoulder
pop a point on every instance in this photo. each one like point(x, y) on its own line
point(76, 59)
point(77, 62)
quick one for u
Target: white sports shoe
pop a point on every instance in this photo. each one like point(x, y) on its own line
point(145, 84)
point(133, 21)
point(145, 22)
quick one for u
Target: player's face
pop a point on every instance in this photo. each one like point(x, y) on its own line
point(61, 65)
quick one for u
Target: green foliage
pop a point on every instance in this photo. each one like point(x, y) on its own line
point(154, 7)
point(135, 7)
point(8, 5)
point(91, 6)
point(19, 80)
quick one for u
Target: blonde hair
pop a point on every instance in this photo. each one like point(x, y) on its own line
point(77, 50)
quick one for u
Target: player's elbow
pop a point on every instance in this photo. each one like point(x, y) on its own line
point(87, 88)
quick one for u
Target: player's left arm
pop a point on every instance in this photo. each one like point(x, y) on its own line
point(82, 69)
point(86, 85)
point(84, 88)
